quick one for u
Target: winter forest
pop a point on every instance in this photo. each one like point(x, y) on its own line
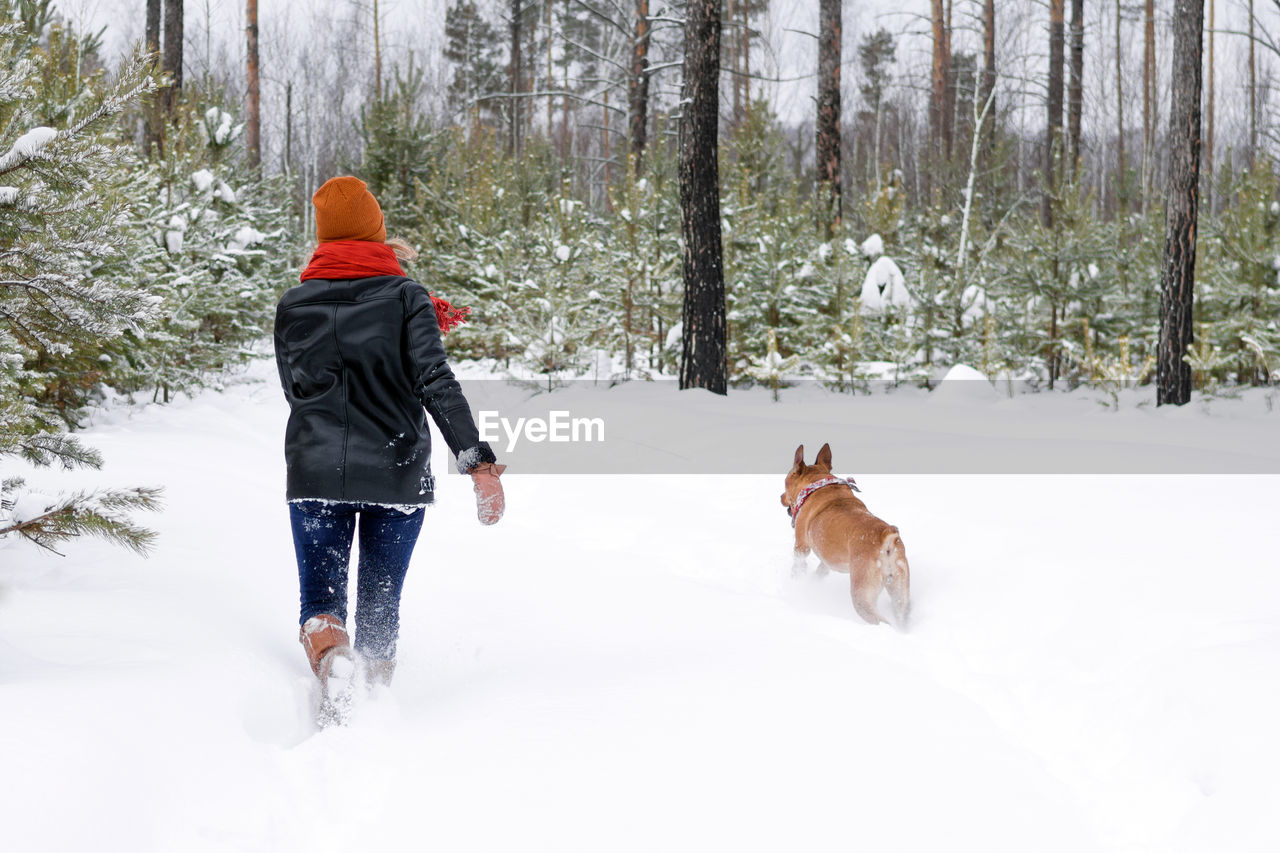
point(1057, 197)
point(761, 244)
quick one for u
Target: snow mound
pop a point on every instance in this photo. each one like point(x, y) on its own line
point(884, 287)
point(964, 384)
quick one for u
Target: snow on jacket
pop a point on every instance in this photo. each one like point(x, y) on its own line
point(359, 360)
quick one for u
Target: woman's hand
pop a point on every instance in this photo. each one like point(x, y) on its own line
point(490, 501)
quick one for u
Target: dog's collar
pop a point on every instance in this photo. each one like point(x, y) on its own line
point(794, 509)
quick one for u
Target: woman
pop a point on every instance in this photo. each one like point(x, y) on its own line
point(358, 346)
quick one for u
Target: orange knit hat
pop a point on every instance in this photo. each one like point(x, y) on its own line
point(346, 210)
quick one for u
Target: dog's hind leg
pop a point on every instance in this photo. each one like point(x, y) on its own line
point(864, 599)
point(897, 576)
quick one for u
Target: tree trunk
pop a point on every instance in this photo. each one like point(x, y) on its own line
point(1208, 142)
point(288, 128)
point(377, 53)
point(253, 124)
point(546, 6)
point(152, 128)
point(1253, 90)
point(153, 27)
point(734, 71)
point(566, 135)
point(606, 144)
point(988, 78)
point(1075, 99)
point(746, 62)
point(703, 362)
point(938, 112)
point(513, 138)
point(828, 123)
point(1053, 129)
point(172, 64)
point(1121, 194)
point(948, 92)
point(1148, 96)
point(638, 84)
point(1177, 278)
point(530, 84)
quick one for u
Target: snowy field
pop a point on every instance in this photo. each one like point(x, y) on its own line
point(626, 663)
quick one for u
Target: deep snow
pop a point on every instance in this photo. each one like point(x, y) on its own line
point(626, 663)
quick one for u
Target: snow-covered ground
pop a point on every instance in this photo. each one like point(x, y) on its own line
point(626, 663)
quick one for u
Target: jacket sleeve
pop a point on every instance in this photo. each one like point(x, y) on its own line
point(282, 359)
point(435, 384)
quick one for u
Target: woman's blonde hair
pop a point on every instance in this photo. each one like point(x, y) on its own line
point(403, 250)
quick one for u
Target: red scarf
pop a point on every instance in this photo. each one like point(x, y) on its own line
point(346, 259)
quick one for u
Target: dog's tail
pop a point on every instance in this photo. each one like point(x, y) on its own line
point(896, 574)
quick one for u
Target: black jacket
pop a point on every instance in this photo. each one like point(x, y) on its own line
point(359, 360)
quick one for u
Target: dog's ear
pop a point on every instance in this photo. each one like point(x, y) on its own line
point(799, 460)
point(823, 459)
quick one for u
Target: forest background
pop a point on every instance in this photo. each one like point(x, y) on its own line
point(998, 198)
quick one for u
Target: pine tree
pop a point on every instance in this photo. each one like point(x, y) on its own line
point(399, 142)
point(875, 57)
point(62, 220)
point(703, 363)
point(939, 113)
point(1075, 97)
point(172, 58)
point(778, 273)
point(1238, 291)
point(1177, 279)
point(1053, 126)
point(828, 119)
point(1049, 279)
point(473, 47)
point(215, 245)
point(253, 132)
point(645, 258)
point(638, 85)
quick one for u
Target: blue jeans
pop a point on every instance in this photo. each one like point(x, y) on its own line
point(322, 535)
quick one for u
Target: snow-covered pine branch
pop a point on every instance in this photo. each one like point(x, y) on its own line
point(49, 521)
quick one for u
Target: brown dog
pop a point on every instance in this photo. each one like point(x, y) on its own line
point(834, 524)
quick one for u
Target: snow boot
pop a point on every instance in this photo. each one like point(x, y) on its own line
point(378, 672)
point(329, 652)
point(321, 634)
